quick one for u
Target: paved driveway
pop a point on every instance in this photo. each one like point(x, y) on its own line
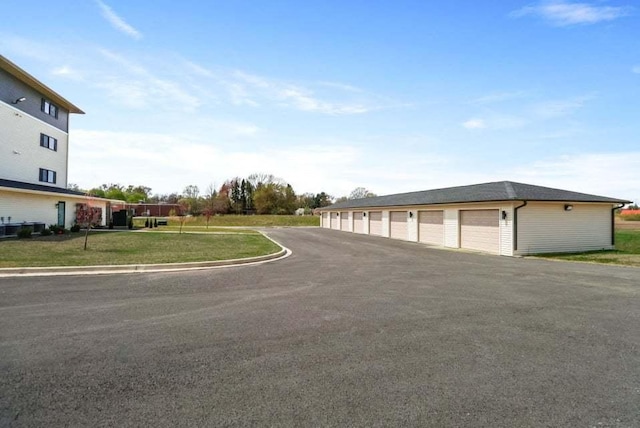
point(349, 330)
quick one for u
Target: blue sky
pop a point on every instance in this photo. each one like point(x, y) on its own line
point(332, 95)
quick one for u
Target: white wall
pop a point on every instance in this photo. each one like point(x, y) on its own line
point(547, 227)
point(506, 231)
point(20, 132)
point(412, 225)
point(365, 222)
point(32, 207)
point(386, 225)
point(451, 228)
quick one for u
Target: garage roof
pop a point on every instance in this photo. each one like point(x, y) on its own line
point(486, 192)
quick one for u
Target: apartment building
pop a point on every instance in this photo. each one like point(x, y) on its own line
point(34, 154)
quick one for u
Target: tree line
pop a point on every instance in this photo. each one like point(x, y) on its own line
point(256, 194)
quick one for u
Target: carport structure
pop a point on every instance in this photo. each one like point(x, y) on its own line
point(505, 218)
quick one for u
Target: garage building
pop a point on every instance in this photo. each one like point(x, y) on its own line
point(505, 218)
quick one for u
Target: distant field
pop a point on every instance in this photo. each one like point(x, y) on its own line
point(627, 251)
point(626, 225)
point(243, 221)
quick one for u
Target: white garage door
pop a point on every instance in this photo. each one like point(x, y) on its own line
point(431, 227)
point(325, 220)
point(344, 221)
point(358, 223)
point(398, 229)
point(479, 230)
point(335, 221)
point(375, 223)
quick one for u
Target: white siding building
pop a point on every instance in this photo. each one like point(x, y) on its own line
point(504, 218)
point(34, 154)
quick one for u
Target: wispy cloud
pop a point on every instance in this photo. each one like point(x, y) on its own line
point(499, 97)
point(67, 71)
point(495, 121)
point(474, 123)
point(636, 69)
point(134, 86)
point(117, 22)
point(563, 13)
point(587, 172)
point(559, 108)
point(247, 88)
point(172, 165)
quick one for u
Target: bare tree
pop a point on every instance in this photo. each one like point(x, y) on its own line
point(360, 193)
point(88, 214)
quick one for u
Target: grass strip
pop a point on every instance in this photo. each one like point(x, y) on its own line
point(120, 248)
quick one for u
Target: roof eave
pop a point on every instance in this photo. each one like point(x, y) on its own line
point(331, 208)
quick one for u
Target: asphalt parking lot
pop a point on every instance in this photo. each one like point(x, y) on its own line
point(348, 331)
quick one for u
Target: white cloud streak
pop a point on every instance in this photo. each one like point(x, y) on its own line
point(67, 71)
point(136, 87)
point(499, 97)
point(563, 13)
point(607, 174)
point(169, 162)
point(560, 108)
point(117, 22)
point(474, 124)
point(636, 69)
point(245, 88)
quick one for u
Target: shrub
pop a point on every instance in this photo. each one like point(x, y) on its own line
point(130, 223)
point(75, 228)
point(46, 232)
point(57, 230)
point(25, 232)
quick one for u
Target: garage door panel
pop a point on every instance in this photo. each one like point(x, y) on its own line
point(479, 230)
point(398, 229)
point(431, 227)
point(335, 221)
point(375, 223)
point(344, 221)
point(358, 222)
point(325, 220)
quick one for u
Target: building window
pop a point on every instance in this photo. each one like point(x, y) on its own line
point(49, 142)
point(47, 176)
point(49, 108)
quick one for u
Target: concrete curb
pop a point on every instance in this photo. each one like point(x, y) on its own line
point(145, 268)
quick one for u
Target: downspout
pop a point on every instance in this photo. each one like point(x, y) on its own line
point(613, 224)
point(515, 225)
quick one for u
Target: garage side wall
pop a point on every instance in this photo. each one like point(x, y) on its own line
point(506, 231)
point(549, 228)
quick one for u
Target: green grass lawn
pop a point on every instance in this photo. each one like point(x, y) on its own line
point(627, 251)
point(242, 221)
point(118, 248)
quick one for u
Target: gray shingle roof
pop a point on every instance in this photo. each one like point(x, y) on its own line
point(486, 192)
